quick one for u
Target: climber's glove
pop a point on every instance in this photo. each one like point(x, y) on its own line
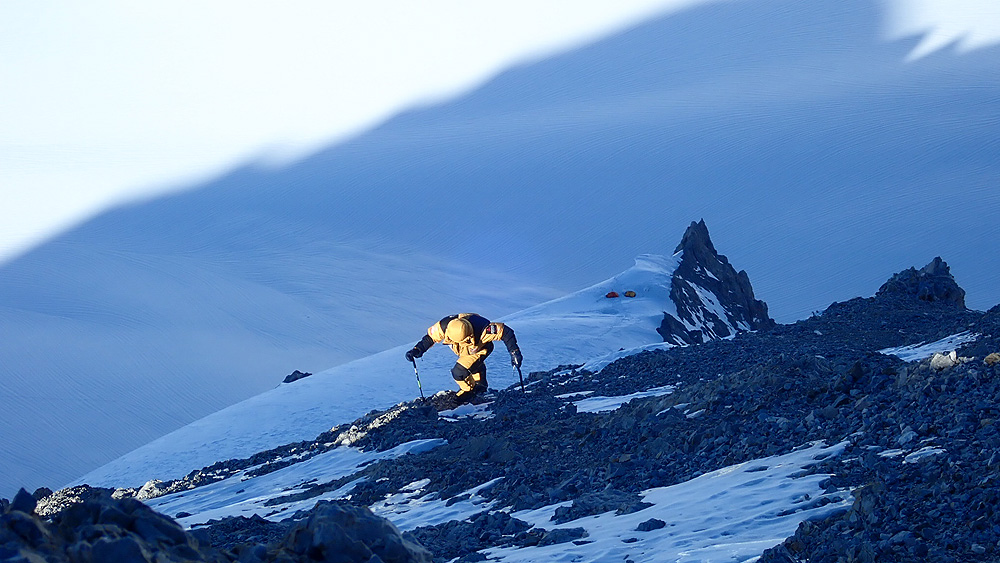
point(515, 357)
point(414, 354)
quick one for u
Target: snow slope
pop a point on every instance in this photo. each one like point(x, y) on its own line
point(576, 327)
point(103, 351)
point(820, 154)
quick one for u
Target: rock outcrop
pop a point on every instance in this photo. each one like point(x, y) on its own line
point(88, 525)
point(933, 282)
point(295, 376)
point(710, 299)
point(95, 530)
point(341, 532)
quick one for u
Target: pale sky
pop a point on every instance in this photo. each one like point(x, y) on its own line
point(109, 100)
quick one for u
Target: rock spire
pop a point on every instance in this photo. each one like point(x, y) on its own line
point(710, 298)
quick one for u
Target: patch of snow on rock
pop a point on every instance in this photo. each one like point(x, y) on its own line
point(241, 495)
point(732, 514)
point(409, 511)
point(603, 404)
point(924, 350)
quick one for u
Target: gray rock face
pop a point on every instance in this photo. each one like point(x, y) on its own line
point(933, 282)
point(712, 300)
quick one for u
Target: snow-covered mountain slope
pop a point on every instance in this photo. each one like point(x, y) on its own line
point(585, 325)
point(94, 341)
point(809, 438)
point(820, 155)
point(598, 325)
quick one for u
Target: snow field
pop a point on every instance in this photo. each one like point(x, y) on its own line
point(580, 326)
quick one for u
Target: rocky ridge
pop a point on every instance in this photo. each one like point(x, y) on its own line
point(919, 470)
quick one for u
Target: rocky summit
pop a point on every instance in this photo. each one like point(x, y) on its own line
point(709, 298)
point(933, 282)
point(904, 454)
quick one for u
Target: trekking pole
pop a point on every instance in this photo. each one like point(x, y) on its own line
point(419, 386)
point(521, 377)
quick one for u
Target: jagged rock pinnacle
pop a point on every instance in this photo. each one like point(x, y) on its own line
point(712, 300)
point(696, 240)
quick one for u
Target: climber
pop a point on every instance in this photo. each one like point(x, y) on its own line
point(471, 337)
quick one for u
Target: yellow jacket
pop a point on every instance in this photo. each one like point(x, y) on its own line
point(483, 332)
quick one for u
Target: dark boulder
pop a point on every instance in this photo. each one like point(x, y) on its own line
point(295, 376)
point(120, 550)
point(562, 535)
point(343, 532)
point(606, 500)
point(23, 502)
point(23, 528)
point(232, 531)
point(650, 525)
